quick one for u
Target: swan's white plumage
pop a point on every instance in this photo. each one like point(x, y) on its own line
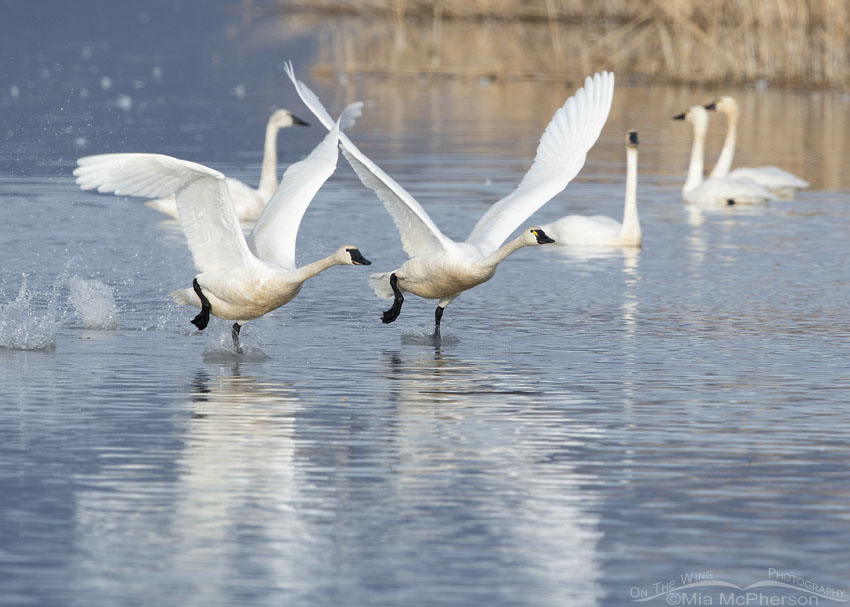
point(241, 282)
point(440, 268)
point(778, 181)
point(599, 230)
point(248, 202)
point(714, 191)
point(562, 151)
point(419, 234)
point(206, 211)
point(273, 237)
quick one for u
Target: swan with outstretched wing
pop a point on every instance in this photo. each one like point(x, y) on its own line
point(238, 279)
point(441, 268)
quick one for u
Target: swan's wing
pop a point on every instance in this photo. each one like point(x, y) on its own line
point(770, 177)
point(273, 237)
point(560, 155)
point(419, 234)
point(203, 200)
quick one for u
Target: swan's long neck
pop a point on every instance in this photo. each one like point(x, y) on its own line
point(724, 161)
point(268, 173)
point(695, 167)
point(631, 222)
point(311, 269)
point(499, 255)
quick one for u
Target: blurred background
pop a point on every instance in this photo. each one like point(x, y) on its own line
point(167, 76)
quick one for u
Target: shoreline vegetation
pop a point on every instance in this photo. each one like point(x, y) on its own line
point(786, 43)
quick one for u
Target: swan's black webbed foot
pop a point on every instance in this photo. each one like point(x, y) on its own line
point(234, 336)
point(730, 202)
point(203, 318)
point(438, 316)
point(391, 314)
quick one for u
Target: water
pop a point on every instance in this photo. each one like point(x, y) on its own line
point(591, 424)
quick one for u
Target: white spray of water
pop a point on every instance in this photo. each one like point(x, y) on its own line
point(23, 327)
point(94, 303)
point(219, 345)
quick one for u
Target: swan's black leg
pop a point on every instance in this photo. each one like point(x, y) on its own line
point(234, 335)
point(203, 318)
point(391, 314)
point(438, 316)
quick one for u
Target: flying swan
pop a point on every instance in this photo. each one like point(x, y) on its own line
point(714, 191)
point(441, 268)
point(782, 183)
point(599, 230)
point(238, 280)
point(247, 201)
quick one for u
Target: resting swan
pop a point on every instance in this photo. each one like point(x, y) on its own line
point(780, 182)
point(599, 230)
point(239, 280)
point(441, 268)
point(714, 191)
point(247, 201)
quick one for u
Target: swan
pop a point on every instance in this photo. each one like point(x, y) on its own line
point(441, 268)
point(247, 201)
point(780, 182)
point(599, 230)
point(238, 279)
point(714, 191)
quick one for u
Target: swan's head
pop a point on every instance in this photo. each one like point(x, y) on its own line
point(284, 118)
point(724, 105)
point(632, 139)
point(697, 116)
point(349, 255)
point(534, 236)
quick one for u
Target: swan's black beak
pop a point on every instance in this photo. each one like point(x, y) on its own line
point(711, 106)
point(541, 237)
point(297, 121)
point(633, 138)
point(680, 116)
point(357, 259)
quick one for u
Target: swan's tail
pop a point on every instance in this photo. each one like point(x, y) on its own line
point(167, 205)
point(380, 283)
point(186, 297)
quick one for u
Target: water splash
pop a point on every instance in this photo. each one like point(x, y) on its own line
point(219, 347)
point(94, 303)
point(24, 327)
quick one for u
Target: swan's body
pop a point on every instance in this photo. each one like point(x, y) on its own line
point(247, 201)
point(780, 182)
point(599, 230)
point(238, 279)
point(440, 268)
point(714, 191)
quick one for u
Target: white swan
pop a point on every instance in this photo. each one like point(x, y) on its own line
point(239, 280)
point(599, 230)
point(714, 191)
point(440, 268)
point(780, 182)
point(247, 201)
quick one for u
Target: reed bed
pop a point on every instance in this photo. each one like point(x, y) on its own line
point(787, 42)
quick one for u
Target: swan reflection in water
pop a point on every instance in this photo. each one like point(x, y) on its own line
point(478, 441)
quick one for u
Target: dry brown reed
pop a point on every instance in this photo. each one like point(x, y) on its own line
point(787, 42)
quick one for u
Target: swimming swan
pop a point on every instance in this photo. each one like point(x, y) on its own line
point(780, 182)
point(247, 201)
point(714, 191)
point(440, 268)
point(239, 280)
point(599, 230)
